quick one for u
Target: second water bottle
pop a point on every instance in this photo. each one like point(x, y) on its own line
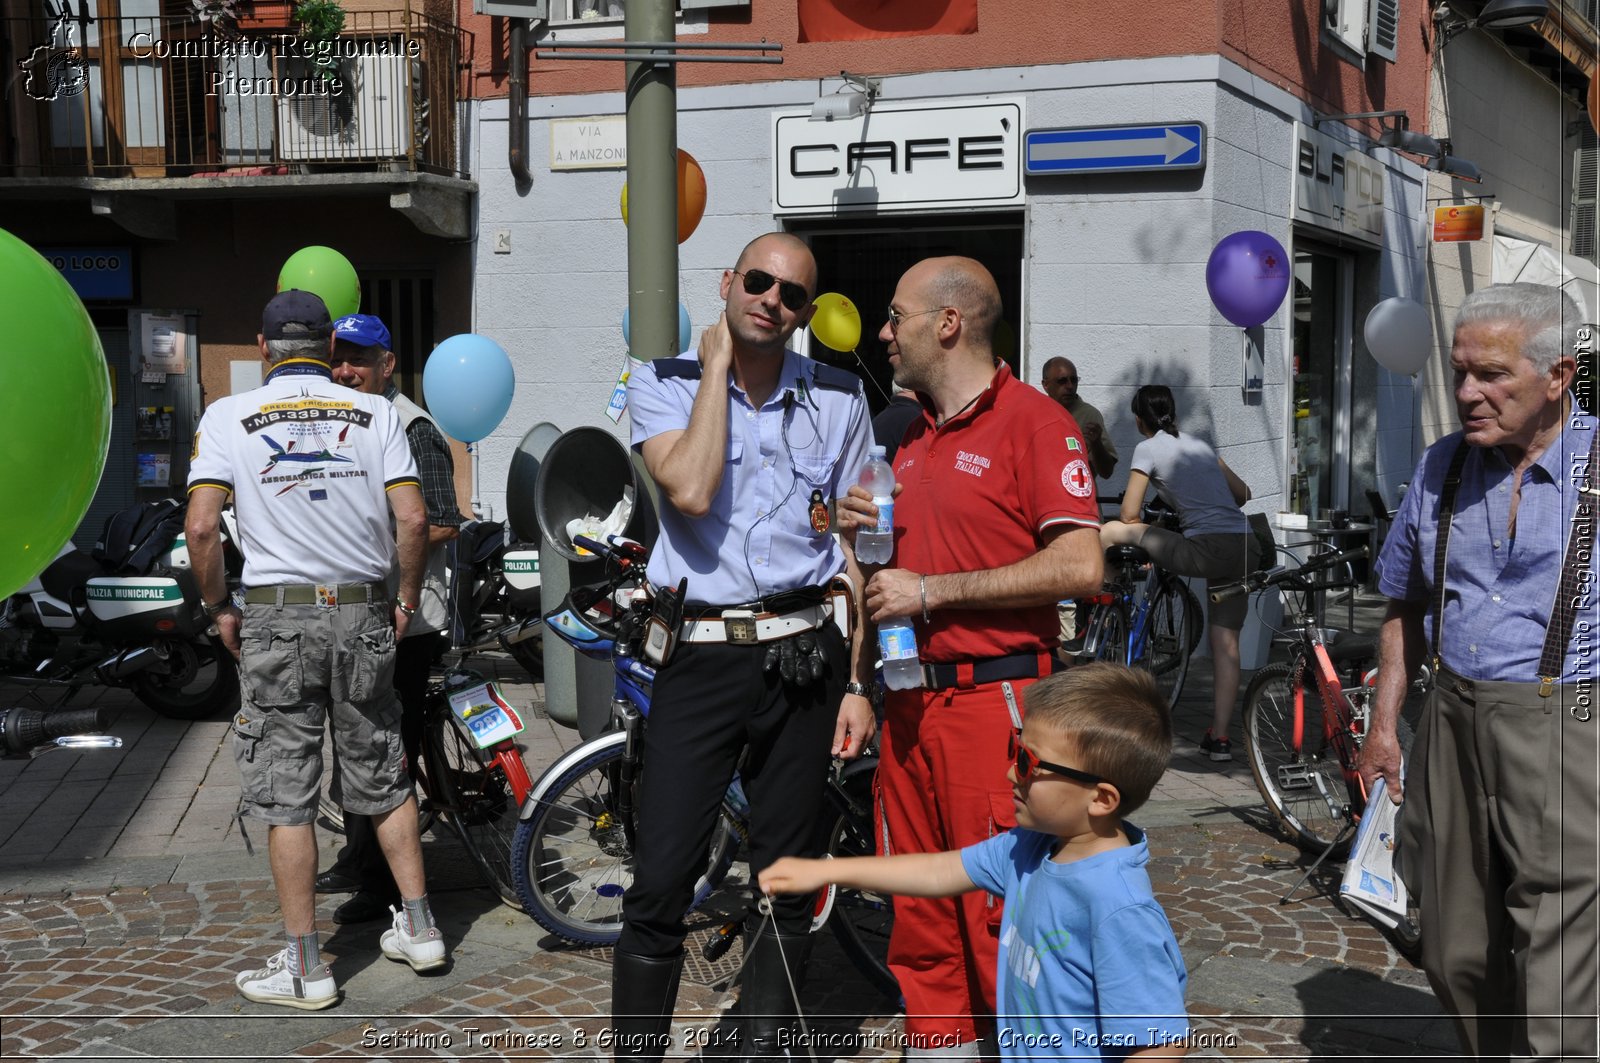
point(874, 546)
point(897, 643)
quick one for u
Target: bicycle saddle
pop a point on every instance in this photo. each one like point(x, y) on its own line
point(1126, 555)
point(1349, 646)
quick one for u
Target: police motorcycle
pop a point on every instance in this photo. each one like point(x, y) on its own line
point(495, 595)
point(125, 614)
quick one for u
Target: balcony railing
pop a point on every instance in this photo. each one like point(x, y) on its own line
point(175, 97)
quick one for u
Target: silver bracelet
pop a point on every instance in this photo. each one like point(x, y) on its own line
point(922, 590)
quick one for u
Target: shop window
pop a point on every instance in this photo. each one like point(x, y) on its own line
point(1364, 26)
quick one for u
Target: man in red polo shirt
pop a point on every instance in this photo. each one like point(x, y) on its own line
point(996, 523)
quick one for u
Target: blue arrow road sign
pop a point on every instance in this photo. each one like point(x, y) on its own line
point(1177, 146)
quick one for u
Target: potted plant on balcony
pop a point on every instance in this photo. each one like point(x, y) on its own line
point(221, 15)
point(264, 14)
point(320, 22)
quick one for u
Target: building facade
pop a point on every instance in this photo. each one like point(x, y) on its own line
point(1105, 267)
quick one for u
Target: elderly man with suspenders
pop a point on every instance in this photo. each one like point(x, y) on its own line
point(1490, 570)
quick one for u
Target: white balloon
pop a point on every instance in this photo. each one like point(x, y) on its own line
point(1400, 335)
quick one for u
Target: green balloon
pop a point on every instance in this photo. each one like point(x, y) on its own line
point(55, 412)
point(325, 273)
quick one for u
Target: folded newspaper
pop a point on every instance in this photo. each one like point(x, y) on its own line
point(1370, 880)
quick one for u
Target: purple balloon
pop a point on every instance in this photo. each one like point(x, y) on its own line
point(1247, 275)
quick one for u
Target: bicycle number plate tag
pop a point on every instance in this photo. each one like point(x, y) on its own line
point(488, 716)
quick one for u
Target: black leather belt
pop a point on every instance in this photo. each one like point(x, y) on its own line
point(990, 670)
point(781, 602)
point(313, 594)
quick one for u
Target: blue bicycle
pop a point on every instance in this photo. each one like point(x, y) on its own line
point(1145, 617)
point(573, 856)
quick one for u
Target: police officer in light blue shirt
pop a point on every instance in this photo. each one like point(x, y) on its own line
point(750, 446)
point(1499, 821)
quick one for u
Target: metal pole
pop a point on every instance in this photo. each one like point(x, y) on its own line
point(652, 186)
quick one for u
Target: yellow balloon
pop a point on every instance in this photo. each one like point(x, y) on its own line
point(836, 323)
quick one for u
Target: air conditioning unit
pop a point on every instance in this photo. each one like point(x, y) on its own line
point(381, 113)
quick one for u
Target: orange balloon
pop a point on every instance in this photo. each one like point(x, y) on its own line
point(691, 196)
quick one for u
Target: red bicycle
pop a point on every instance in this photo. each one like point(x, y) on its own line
point(1305, 718)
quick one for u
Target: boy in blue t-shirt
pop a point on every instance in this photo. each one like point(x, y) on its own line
point(1089, 967)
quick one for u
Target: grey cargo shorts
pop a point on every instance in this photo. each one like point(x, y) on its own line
point(299, 666)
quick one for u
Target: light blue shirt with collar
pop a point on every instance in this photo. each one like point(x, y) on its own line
point(812, 434)
point(1499, 590)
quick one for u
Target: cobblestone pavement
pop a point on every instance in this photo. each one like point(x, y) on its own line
point(128, 903)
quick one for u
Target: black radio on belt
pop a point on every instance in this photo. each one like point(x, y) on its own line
point(661, 629)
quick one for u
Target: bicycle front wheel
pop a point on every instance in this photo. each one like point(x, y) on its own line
point(861, 919)
point(1295, 767)
point(573, 858)
point(473, 791)
point(1110, 634)
point(1172, 631)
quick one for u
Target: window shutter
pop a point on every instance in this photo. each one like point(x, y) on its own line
point(1383, 29)
point(535, 9)
point(1585, 193)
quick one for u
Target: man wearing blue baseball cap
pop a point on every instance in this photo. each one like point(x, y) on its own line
point(362, 359)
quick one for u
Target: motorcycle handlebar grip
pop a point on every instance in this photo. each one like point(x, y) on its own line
point(24, 729)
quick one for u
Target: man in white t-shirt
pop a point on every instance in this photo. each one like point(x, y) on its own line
point(315, 471)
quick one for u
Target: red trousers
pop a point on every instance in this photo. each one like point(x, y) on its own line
point(942, 780)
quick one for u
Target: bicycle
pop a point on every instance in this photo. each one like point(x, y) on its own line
point(574, 850)
point(473, 773)
point(1305, 719)
point(477, 789)
point(1151, 623)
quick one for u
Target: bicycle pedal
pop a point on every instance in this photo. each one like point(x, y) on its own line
point(718, 944)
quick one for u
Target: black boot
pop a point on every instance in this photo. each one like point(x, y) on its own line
point(643, 991)
point(773, 974)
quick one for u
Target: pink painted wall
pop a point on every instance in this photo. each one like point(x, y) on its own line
point(1279, 41)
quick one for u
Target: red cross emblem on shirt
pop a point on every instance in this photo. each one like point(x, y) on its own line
point(1077, 479)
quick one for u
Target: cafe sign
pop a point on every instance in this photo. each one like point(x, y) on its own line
point(932, 155)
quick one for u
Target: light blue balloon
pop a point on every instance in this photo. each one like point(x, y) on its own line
point(468, 383)
point(683, 329)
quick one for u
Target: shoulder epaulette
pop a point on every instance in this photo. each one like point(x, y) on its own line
point(829, 376)
point(670, 368)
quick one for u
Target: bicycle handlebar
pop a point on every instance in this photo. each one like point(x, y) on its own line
point(1271, 577)
point(615, 548)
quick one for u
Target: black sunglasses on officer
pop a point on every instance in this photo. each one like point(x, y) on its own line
point(759, 282)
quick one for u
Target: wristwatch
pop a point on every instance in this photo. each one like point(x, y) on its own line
point(860, 690)
point(213, 611)
point(405, 607)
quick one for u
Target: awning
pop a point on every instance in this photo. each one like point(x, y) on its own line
point(1525, 260)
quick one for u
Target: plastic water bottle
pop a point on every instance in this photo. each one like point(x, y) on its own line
point(897, 643)
point(876, 545)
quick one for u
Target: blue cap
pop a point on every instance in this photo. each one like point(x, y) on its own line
point(363, 330)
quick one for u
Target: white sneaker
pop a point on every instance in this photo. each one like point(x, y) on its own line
point(424, 951)
point(275, 984)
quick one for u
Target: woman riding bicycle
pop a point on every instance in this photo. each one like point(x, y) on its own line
point(1215, 541)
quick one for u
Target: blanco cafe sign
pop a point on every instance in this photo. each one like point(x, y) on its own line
point(595, 143)
point(925, 155)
